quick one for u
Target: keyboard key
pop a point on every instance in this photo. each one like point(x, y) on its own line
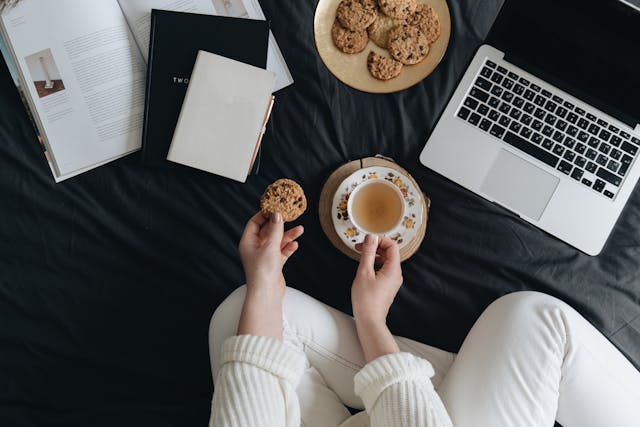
point(562, 112)
point(594, 129)
point(537, 138)
point(547, 143)
point(579, 111)
point(572, 118)
point(474, 119)
point(479, 94)
point(546, 93)
point(497, 131)
point(626, 162)
point(609, 177)
point(515, 114)
point(507, 96)
point(490, 64)
point(483, 109)
point(616, 154)
point(569, 142)
point(580, 148)
point(526, 119)
point(608, 193)
point(615, 141)
point(537, 125)
point(577, 174)
point(496, 78)
point(561, 125)
point(496, 90)
point(580, 161)
point(565, 167)
point(515, 127)
point(583, 136)
point(550, 119)
point(535, 87)
point(594, 142)
point(529, 108)
point(471, 103)
point(586, 182)
point(629, 148)
point(523, 81)
point(504, 108)
point(531, 149)
point(572, 130)
point(591, 154)
point(635, 140)
point(494, 102)
point(502, 70)
point(583, 124)
point(507, 84)
point(604, 135)
point(558, 136)
point(513, 75)
point(494, 115)
point(591, 167)
point(486, 72)
point(539, 113)
point(463, 113)
point(613, 165)
point(604, 148)
point(526, 133)
point(529, 94)
point(550, 106)
point(485, 125)
point(557, 99)
point(540, 101)
point(624, 134)
point(483, 84)
point(598, 185)
point(547, 130)
point(568, 105)
point(518, 102)
point(591, 117)
point(558, 149)
point(613, 129)
point(602, 160)
point(518, 89)
point(504, 121)
point(602, 123)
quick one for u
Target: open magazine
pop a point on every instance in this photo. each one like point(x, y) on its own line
point(80, 68)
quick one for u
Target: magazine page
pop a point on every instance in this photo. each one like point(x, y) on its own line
point(82, 74)
point(138, 14)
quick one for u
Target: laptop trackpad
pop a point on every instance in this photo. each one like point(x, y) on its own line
point(519, 185)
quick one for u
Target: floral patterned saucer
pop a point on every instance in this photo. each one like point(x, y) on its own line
point(403, 233)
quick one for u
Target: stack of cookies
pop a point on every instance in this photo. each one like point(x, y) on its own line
point(403, 27)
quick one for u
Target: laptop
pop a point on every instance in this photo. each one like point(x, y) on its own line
point(545, 121)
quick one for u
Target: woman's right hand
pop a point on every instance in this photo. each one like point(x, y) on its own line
point(373, 291)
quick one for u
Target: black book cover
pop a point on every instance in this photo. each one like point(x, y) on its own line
point(175, 39)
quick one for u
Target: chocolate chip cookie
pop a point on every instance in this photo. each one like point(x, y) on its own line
point(408, 44)
point(284, 196)
point(399, 9)
point(427, 20)
point(356, 15)
point(383, 68)
point(348, 41)
point(379, 30)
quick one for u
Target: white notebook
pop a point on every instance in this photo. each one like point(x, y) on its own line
point(223, 116)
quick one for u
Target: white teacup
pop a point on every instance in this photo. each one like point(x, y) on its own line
point(376, 206)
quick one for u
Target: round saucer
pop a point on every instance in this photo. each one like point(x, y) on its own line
point(404, 233)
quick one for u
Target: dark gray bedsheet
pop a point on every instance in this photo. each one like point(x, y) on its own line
point(108, 281)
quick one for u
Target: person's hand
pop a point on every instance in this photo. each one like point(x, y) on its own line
point(372, 292)
point(264, 249)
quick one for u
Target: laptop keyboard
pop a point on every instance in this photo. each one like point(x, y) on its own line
point(553, 130)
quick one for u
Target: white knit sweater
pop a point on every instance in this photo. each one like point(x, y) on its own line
point(256, 386)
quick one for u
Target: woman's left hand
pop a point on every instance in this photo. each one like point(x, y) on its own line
point(264, 249)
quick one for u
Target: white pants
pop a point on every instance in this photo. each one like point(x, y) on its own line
point(530, 359)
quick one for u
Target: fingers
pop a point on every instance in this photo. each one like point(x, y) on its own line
point(289, 249)
point(391, 256)
point(291, 235)
point(273, 230)
point(253, 225)
point(368, 254)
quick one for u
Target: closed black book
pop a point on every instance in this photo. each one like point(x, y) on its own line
point(175, 39)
